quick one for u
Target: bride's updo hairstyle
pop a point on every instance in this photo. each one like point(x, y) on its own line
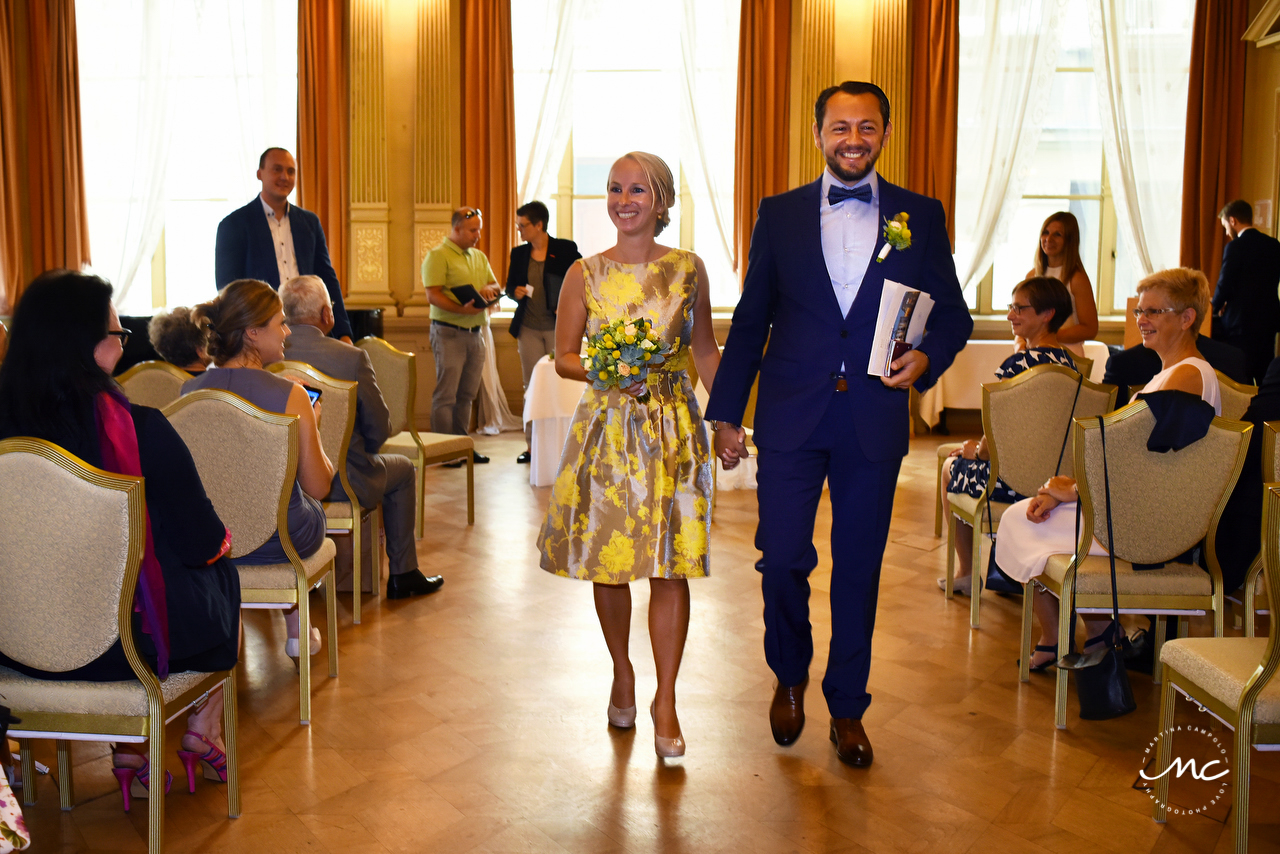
point(242, 305)
point(657, 174)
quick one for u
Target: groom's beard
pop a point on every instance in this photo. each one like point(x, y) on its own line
point(852, 176)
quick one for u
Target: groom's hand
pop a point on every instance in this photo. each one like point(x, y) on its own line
point(731, 444)
point(907, 368)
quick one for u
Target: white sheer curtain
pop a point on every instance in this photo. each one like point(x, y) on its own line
point(1008, 52)
point(708, 85)
point(126, 115)
point(1141, 57)
point(543, 41)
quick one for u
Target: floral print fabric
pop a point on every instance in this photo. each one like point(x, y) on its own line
point(633, 497)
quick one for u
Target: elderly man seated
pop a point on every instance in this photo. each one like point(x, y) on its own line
point(375, 477)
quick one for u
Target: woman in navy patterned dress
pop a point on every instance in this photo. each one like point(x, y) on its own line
point(1040, 306)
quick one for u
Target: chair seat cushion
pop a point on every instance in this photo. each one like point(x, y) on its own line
point(968, 505)
point(433, 444)
point(1094, 577)
point(27, 693)
point(1222, 666)
point(280, 576)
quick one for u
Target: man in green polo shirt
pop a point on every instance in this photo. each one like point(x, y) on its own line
point(456, 339)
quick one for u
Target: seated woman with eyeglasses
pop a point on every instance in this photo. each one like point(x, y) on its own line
point(56, 385)
point(1171, 305)
point(1040, 306)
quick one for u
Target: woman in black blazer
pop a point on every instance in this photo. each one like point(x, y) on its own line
point(534, 276)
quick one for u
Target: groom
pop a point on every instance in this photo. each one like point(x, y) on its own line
point(815, 273)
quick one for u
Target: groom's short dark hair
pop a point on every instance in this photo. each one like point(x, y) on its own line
point(850, 87)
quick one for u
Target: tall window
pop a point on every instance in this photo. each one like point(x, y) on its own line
point(178, 99)
point(663, 82)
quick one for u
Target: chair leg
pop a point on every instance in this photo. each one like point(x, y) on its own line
point(1064, 634)
point(1162, 629)
point(939, 500)
point(376, 586)
point(357, 558)
point(28, 772)
point(155, 809)
point(304, 660)
point(1240, 779)
point(231, 740)
point(471, 489)
point(1024, 657)
point(975, 575)
point(331, 607)
point(949, 590)
point(1250, 614)
point(1164, 748)
point(66, 792)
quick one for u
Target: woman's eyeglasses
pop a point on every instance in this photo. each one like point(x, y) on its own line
point(122, 333)
point(1151, 313)
point(1018, 309)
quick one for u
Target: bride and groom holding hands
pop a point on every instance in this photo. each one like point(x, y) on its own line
point(633, 498)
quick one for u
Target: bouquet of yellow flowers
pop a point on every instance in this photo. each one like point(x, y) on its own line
point(621, 354)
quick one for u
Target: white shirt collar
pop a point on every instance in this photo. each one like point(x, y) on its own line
point(870, 179)
point(270, 213)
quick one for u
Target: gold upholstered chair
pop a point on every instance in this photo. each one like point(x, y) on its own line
point(1025, 419)
point(397, 374)
point(1162, 505)
point(1236, 397)
point(155, 384)
point(1083, 364)
point(939, 506)
point(1253, 592)
point(73, 541)
point(1234, 679)
point(248, 459)
point(338, 418)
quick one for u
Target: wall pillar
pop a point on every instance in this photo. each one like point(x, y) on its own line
point(368, 277)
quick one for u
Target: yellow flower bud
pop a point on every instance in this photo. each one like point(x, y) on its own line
point(617, 354)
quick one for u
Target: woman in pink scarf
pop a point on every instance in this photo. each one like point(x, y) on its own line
point(55, 384)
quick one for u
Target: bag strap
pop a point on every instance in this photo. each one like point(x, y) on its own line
point(1070, 420)
point(1071, 633)
point(1111, 539)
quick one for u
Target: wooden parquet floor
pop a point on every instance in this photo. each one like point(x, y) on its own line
point(474, 721)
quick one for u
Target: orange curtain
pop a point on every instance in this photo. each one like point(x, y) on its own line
point(42, 212)
point(935, 92)
point(489, 126)
point(1215, 130)
point(323, 149)
point(762, 140)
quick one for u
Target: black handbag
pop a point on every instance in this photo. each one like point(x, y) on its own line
point(997, 581)
point(1102, 683)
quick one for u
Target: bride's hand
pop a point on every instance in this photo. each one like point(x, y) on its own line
point(635, 389)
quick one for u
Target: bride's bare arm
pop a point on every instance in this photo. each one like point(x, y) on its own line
point(705, 350)
point(571, 322)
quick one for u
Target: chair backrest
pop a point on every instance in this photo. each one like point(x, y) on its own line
point(247, 459)
point(1026, 419)
point(397, 373)
point(1162, 504)
point(155, 384)
point(1236, 397)
point(1271, 452)
point(1271, 573)
point(337, 408)
point(1083, 364)
point(73, 537)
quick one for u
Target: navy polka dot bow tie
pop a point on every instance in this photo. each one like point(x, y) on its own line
point(838, 193)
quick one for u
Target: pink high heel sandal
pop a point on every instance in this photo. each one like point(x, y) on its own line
point(136, 782)
point(213, 759)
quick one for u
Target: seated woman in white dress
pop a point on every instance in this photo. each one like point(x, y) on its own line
point(1171, 305)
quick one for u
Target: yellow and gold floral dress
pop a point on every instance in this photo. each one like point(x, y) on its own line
point(633, 497)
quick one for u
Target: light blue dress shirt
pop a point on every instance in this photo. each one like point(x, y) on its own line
point(849, 233)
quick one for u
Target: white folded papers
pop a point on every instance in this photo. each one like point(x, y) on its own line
point(899, 326)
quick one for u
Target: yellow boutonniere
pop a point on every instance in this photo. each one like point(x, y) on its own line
point(897, 235)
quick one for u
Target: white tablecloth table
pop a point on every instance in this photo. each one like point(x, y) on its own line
point(961, 386)
point(549, 404)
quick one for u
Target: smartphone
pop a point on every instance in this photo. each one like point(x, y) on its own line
point(313, 393)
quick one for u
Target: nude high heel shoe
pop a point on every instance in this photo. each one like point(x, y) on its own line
point(622, 718)
point(667, 748)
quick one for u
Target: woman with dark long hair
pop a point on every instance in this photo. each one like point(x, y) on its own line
point(56, 385)
point(1058, 255)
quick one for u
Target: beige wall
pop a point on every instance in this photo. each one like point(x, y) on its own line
point(1258, 179)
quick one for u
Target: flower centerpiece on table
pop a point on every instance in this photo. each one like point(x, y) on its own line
point(621, 354)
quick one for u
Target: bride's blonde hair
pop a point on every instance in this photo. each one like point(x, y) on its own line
point(657, 174)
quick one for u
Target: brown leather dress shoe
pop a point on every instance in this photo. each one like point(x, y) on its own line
point(786, 715)
point(852, 745)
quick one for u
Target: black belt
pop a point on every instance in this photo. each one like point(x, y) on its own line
point(842, 381)
point(456, 326)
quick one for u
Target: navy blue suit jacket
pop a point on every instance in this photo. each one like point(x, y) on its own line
point(787, 299)
point(244, 251)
